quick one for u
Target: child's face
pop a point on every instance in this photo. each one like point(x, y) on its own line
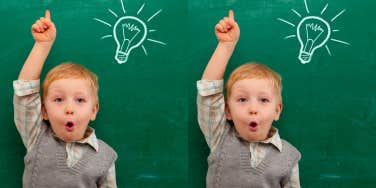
point(253, 105)
point(69, 106)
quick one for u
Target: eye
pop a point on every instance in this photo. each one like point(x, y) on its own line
point(264, 100)
point(58, 99)
point(242, 99)
point(81, 100)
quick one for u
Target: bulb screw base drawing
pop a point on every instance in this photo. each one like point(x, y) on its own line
point(304, 57)
point(121, 57)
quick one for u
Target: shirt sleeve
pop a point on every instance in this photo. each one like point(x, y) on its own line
point(27, 110)
point(109, 181)
point(294, 181)
point(211, 110)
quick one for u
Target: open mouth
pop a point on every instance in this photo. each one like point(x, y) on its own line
point(69, 125)
point(253, 125)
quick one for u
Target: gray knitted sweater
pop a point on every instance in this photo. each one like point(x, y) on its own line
point(46, 167)
point(230, 166)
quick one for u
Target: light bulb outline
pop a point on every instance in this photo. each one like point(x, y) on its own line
point(303, 44)
point(126, 53)
point(143, 24)
point(330, 32)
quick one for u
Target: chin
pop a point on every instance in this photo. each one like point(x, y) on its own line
point(67, 139)
point(255, 137)
point(252, 139)
point(70, 138)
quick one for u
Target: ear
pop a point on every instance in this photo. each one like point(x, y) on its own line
point(94, 112)
point(278, 110)
point(227, 112)
point(44, 112)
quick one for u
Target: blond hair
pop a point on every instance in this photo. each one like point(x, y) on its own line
point(257, 71)
point(71, 70)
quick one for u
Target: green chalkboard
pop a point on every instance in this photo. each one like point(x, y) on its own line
point(143, 102)
point(329, 109)
point(148, 103)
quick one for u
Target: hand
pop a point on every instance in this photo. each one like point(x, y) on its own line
point(227, 30)
point(43, 30)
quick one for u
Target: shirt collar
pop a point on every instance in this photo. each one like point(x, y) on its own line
point(274, 139)
point(90, 138)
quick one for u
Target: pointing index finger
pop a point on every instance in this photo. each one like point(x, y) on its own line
point(231, 15)
point(48, 15)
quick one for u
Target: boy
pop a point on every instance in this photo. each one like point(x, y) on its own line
point(245, 150)
point(62, 151)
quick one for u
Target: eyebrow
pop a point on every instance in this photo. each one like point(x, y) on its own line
point(59, 92)
point(265, 93)
point(241, 91)
point(54, 92)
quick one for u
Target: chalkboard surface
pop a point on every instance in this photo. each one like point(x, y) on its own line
point(148, 95)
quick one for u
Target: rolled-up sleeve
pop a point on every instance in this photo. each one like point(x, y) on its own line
point(211, 110)
point(109, 181)
point(27, 110)
point(294, 181)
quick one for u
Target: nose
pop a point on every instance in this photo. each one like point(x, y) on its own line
point(69, 112)
point(253, 112)
point(69, 109)
point(252, 109)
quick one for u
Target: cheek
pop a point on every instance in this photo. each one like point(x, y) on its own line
point(268, 113)
point(51, 107)
point(231, 112)
point(277, 110)
point(87, 112)
point(49, 111)
point(273, 114)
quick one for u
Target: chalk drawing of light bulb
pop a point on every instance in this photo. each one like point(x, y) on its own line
point(129, 33)
point(312, 32)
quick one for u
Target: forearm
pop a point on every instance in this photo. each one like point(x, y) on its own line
point(217, 64)
point(33, 65)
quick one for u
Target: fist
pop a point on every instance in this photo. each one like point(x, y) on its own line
point(43, 30)
point(227, 30)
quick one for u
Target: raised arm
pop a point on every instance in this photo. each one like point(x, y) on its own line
point(210, 100)
point(227, 32)
point(26, 100)
point(44, 34)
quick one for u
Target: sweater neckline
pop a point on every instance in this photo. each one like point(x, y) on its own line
point(246, 160)
point(61, 157)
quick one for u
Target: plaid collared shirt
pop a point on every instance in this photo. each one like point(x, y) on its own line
point(28, 120)
point(212, 121)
